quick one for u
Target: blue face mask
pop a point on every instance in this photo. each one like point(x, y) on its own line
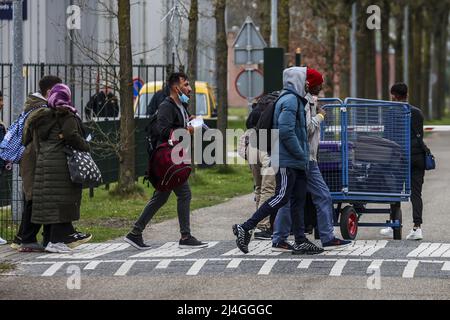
point(183, 98)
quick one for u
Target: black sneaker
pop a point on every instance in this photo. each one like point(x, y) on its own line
point(263, 235)
point(243, 238)
point(306, 248)
point(77, 239)
point(191, 243)
point(136, 241)
point(282, 247)
point(336, 244)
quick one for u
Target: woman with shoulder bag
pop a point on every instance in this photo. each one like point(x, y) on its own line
point(56, 199)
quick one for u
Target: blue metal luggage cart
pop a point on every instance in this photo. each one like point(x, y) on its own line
point(364, 157)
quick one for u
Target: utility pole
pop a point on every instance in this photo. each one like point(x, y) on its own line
point(354, 48)
point(17, 100)
point(406, 47)
point(274, 22)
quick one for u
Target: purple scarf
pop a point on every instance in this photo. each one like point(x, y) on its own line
point(60, 97)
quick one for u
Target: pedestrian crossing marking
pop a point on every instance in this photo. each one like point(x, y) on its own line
point(431, 250)
point(125, 268)
point(338, 267)
point(359, 248)
point(410, 269)
point(171, 249)
point(196, 267)
point(256, 248)
point(267, 267)
point(89, 251)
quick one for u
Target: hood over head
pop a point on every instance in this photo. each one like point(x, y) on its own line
point(294, 79)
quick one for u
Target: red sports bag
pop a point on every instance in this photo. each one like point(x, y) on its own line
point(163, 173)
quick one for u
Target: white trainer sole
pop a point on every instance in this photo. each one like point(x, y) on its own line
point(185, 247)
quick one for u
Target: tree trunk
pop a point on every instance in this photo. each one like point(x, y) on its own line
point(222, 68)
point(440, 55)
point(127, 174)
point(284, 23)
point(416, 63)
point(330, 56)
point(426, 67)
point(344, 68)
point(385, 17)
point(264, 7)
point(400, 29)
point(192, 52)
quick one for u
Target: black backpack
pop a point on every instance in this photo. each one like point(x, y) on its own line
point(152, 134)
point(266, 106)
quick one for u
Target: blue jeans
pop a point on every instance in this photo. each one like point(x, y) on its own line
point(291, 187)
point(322, 200)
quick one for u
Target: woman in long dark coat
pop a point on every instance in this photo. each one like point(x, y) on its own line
point(56, 200)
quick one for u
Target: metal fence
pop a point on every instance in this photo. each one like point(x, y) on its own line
point(85, 81)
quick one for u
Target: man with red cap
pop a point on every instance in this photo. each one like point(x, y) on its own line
point(316, 185)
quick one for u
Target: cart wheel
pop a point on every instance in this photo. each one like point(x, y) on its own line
point(349, 223)
point(396, 215)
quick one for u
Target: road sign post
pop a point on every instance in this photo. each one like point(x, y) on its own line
point(249, 50)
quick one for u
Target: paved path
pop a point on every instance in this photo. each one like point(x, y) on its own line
point(399, 269)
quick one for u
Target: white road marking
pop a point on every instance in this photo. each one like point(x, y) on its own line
point(267, 267)
point(256, 248)
point(50, 272)
point(89, 251)
point(92, 265)
point(375, 265)
point(429, 252)
point(234, 264)
point(446, 266)
point(338, 267)
point(410, 269)
point(196, 267)
point(419, 250)
point(305, 264)
point(125, 268)
point(171, 250)
point(164, 264)
point(361, 248)
point(442, 250)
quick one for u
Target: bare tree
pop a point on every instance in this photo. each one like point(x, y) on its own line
point(222, 68)
point(192, 50)
point(127, 174)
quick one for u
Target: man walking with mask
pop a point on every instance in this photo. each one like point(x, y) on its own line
point(172, 115)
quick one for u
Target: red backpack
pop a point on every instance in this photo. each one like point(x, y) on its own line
point(163, 173)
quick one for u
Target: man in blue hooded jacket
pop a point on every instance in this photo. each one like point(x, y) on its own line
point(292, 155)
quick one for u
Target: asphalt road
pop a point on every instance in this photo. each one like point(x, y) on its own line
point(372, 268)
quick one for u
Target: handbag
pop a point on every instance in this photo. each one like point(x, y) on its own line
point(83, 169)
point(430, 160)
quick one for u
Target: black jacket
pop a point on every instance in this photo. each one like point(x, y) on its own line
point(416, 129)
point(170, 118)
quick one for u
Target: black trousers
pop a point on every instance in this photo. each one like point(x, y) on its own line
point(28, 231)
point(54, 233)
point(58, 233)
point(417, 180)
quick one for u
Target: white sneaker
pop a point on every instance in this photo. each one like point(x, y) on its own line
point(2, 242)
point(58, 248)
point(415, 235)
point(387, 232)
